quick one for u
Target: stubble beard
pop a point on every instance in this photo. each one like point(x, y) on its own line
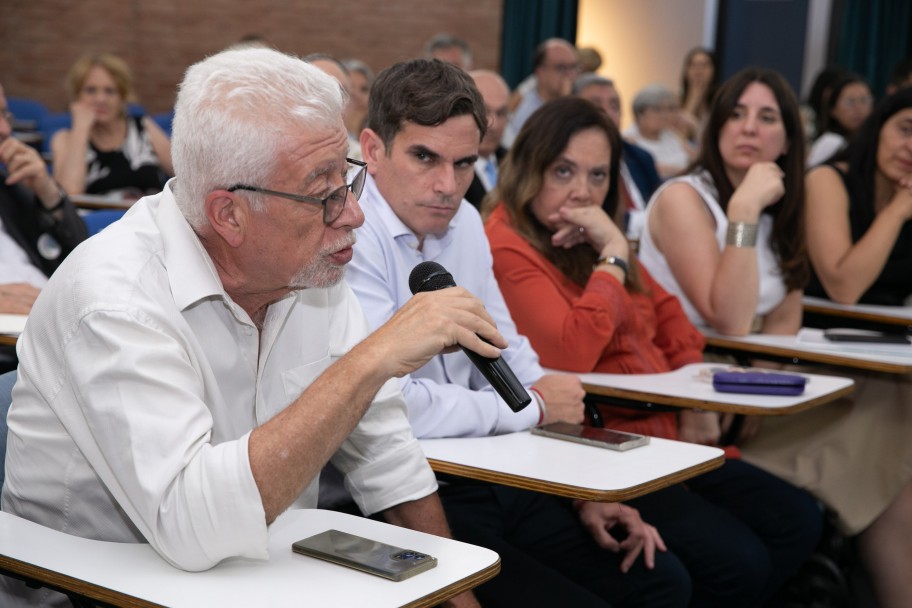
point(321, 272)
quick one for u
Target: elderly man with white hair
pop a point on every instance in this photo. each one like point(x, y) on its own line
point(186, 374)
point(654, 111)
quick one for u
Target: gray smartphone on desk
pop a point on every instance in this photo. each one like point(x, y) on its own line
point(371, 556)
point(600, 438)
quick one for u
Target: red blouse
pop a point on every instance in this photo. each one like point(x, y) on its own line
point(599, 328)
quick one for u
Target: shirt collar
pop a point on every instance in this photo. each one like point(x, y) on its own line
point(397, 229)
point(191, 272)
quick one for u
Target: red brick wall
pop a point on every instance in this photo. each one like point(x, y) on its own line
point(40, 39)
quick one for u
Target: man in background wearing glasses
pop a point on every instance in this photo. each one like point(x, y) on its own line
point(555, 65)
point(185, 375)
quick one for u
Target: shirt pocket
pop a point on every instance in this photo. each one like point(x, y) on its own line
point(296, 380)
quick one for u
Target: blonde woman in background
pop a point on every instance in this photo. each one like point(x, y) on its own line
point(106, 150)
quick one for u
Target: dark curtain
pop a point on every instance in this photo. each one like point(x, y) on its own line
point(526, 23)
point(873, 37)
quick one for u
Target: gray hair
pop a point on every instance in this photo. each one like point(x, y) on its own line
point(356, 65)
point(652, 96)
point(235, 113)
point(589, 79)
point(447, 41)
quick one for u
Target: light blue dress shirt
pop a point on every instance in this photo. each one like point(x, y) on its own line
point(447, 397)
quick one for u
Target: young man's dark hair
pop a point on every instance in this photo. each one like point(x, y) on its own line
point(410, 91)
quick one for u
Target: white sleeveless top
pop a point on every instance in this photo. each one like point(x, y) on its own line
point(772, 285)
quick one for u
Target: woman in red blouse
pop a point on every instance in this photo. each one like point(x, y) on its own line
point(574, 289)
point(570, 282)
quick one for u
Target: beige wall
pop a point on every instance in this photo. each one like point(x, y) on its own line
point(160, 38)
point(642, 41)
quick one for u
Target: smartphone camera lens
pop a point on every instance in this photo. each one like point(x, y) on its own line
point(409, 555)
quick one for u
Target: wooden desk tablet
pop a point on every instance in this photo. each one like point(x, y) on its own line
point(571, 469)
point(885, 315)
point(97, 201)
point(124, 574)
point(858, 356)
point(10, 328)
point(691, 387)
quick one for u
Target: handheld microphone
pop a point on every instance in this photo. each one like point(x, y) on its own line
point(431, 276)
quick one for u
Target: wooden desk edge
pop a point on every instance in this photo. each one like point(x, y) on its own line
point(94, 202)
point(568, 491)
point(8, 340)
point(466, 584)
point(857, 314)
point(68, 584)
point(817, 357)
point(712, 406)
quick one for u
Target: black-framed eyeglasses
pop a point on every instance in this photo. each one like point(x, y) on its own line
point(332, 204)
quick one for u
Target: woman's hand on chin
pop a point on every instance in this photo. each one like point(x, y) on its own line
point(589, 224)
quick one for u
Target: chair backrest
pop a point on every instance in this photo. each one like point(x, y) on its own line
point(96, 221)
point(7, 381)
point(164, 121)
point(52, 123)
point(30, 110)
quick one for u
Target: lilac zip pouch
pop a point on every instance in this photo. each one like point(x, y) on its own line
point(759, 383)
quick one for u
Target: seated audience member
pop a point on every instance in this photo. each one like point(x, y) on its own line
point(40, 226)
point(639, 176)
point(859, 207)
point(573, 287)
point(362, 77)
point(653, 114)
point(813, 111)
point(425, 122)
point(555, 65)
point(106, 150)
point(337, 70)
point(900, 76)
point(744, 180)
point(449, 49)
point(699, 82)
point(189, 371)
point(729, 241)
point(590, 60)
point(496, 96)
point(859, 237)
point(847, 103)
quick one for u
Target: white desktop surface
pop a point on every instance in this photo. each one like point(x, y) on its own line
point(857, 355)
point(572, 469)
point(12, 325)
point(692, 383)
point(286, 579)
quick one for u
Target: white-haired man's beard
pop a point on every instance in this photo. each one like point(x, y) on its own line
point(321, 272)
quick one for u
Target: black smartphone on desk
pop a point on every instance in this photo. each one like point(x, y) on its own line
point(864, 336)
point(371, 556)
point(597, 437)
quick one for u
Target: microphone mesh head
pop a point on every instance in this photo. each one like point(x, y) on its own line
point(429, 276)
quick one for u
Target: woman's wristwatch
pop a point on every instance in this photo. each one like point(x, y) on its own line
point(613, 260)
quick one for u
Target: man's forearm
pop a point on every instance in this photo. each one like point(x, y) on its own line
point(425, 515)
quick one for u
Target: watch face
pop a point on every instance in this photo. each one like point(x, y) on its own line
point(619, 262)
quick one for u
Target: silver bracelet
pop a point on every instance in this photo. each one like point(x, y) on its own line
point(741, 234)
